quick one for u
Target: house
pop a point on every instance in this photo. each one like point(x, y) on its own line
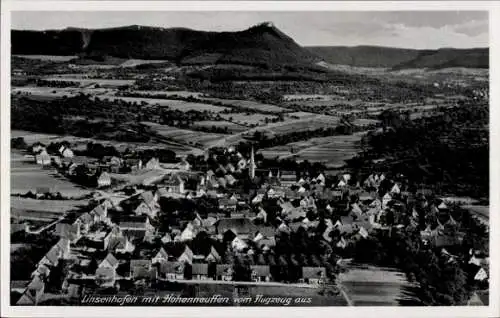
point(43, 159)
point(119, 244)
point(174, 184)
point(221, 170)
point(224, 272)
point(152, 163)
point(385, 200)
point(133, 164)
point(341, 184)
point(184, 165)
point(172, 270)
point(109, 261)
point(222, 182)
point(68, 231)
point(395, 189)
point(33, 293)
point(86, 221)
point(200, 271)
point(230, 168)
point(105, 276)
point(43, 271)
point(18, 227)
point(481, 275)
point(104, 180)
point(100, 213)
point(63, 246)
point(260, 273)
point(38, 147)
point(213, 256)
point(160, 257)
point(188, 233)
point(258, 198)
point(241, 227)
point(342, 243)
point(186, 256)
point(136, 227)
point(321, 179)
point(313, 275)
point(230, 180)
point(228, 204)
point(262, 215)
point(140, 268)
point(166, 238)
point(288, 178)
point(65, 152)
point(52, 257)
point(238, 244)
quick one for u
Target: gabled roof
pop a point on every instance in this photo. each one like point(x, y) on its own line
point(36, 284)
point(147, 197)
point(266, 231)
point(162, 254)
point(133, 222)
point(214, 254)
point(237, 225)
point(26, 300)
point(111, 259)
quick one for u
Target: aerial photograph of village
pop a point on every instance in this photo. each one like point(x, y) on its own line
point(249, 158)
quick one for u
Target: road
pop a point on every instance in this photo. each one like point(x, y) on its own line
point(44, 228)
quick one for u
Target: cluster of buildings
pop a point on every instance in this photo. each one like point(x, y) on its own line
point(119, 242)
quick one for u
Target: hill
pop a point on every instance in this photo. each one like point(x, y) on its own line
point(260, 45)
point(387, 57)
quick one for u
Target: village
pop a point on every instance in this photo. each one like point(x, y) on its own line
point(223, 219)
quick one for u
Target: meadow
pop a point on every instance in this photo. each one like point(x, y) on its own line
point(170, 103)
point(247, 118)
point(186, 136)
point(27, 176)
point(231, 127)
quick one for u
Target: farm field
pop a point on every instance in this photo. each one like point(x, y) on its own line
point(26, 176)
point(301, 115)
point(326, 102)
point(136, 62)
point(231, 127)
point(170, 103)
point(333, 150)
point(184, 135)
point(302, 97)
point(249, 104)
point(248, 119)
point(80, 143)
point(374, 286)
point(142, 177)
point(309, 123)
point(91, 81)
point(44, 93)
point(170, 93)
point(41, 208)
point(52, 58)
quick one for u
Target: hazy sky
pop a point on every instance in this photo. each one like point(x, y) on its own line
point(408, 29)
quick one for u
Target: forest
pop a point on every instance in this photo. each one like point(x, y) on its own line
point(448, 151)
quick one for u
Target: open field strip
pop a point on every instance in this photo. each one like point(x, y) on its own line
point(170, 103)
